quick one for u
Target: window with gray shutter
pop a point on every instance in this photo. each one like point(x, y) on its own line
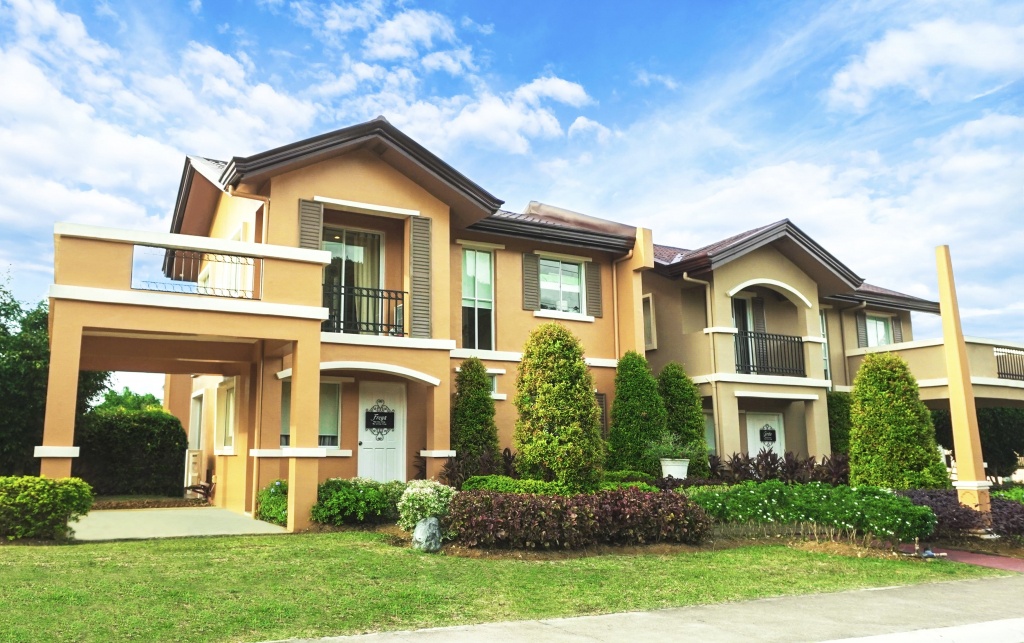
point(592, 273)
point(420, 297)
point(311, 224)
point(531, 281)
point(897, 330)
point(760, 326)
point(862, 330)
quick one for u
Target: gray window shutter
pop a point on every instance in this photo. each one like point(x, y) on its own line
point(862, 330)
point(531, 281)
point(419, 319)
point(311, 224)
point(897, 330)
point(592, 273)
point(757, 311)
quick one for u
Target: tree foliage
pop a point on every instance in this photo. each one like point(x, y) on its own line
point(1002, 437)
point(892, 440)
point(638, 416)
point(558, 434)
point(24, 367)
point(473, 431)
point(839, 404)
point(128, 400)
point(685, 416)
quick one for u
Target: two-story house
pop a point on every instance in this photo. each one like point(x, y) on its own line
point(311, 305)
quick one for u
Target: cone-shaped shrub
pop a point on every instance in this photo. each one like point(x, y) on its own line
point(638, 416)
point(474, 433)
point(685, 416)
point(557, 436)
point(892, 441)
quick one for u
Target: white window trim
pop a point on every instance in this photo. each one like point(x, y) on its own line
point(653, 345)
point(885, 318)
point(372, 209)
point(557, 314)
point(480, 245)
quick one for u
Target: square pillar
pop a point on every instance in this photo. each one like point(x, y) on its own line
point(61, 395)
point(727, 422)
point(438, 427)
point(819, 442)
point(303, 461)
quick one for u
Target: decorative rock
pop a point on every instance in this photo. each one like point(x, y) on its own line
point(427, 535)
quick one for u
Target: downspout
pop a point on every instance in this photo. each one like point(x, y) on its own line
point(615, 298)
point(842, 331)
point(709, 312)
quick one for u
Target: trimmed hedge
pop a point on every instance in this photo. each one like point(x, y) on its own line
point(342, 501)
point(32, 507)
point(624, 517)
point(1002, 437)
point(841, 511)
point(131, 452)
point(628, 476)
point(272, 503)
point(504, 484)
point(638, 416)
point(839, 404)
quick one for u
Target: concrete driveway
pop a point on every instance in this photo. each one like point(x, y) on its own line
point(131, 524)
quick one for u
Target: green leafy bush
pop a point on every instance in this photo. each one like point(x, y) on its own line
point(272, 503)
point(621, 517)
point(628, 476)
point(633, 484)
point(341, 501)
point(423, 499)
point(557, 435)
point(32, 507)
point(839, 404)
point(131, 452)
point(1015, 494)
point(892, 440)
point(638, 416)
point(505, 484)
point(474, 435)
point(1002, 437)
point(867, 513)
point(685, 416)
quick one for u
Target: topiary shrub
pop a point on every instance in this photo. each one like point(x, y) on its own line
point(638, 416)
point(1002, 437)
point(272, 503)
point(892, 441)
point(629, 476)
point(33, 507)
point(505, 484)
point(685, 416)
point(839, 404)
point(342, 501)
point(423, 499)
point(131, 452)
point(557, 435)
point(474, 435)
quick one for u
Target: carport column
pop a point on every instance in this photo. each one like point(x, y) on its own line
point(728, 417)
point(61, 395)
point(819, 443)
point(303, 464)
point(438, 426)
point(971, 485)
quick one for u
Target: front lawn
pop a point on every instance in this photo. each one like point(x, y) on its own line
point(272, 587)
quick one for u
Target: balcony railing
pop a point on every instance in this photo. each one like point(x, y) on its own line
point(1009, 363)
point(194, 272)
point(364, 311)
point(769, 354)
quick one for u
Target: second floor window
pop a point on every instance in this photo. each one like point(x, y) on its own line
point(879, 330)
point(561, 286)
point(352, 282)
point(477, 299)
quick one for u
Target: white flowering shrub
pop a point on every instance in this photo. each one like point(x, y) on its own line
point(423, 499)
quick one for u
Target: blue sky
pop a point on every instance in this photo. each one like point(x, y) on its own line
point(882, 129)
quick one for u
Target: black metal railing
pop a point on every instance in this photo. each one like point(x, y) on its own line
point(364, 311)
point(1009, 363)
point(194, 272)
point(769, 354)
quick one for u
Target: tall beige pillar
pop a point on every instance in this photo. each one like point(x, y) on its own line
point(972, 486)
point(303, 463)
point(58, 447)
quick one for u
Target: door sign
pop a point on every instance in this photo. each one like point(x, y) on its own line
point(380, 420)
point(767, 434)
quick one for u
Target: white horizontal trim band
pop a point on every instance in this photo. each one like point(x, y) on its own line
point(369, 208)
point(192, 242)
point(480, 244)
point(56, 452)
point(186, 302)
point(224, 451)
point(973, 485)
point(778, 396)
point(557, 314)
point(490, 371)
point(721, 329)
point(283, 453)
point(602, 362)
point(487, 356)
point(975, 381)
point(436, 453)
point(777, 380)
point(387, 342)
point(376, 367)
point(811, 339)
point(499, 396)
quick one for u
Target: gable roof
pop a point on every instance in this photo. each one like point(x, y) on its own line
point(878, 296)
point(544, 222)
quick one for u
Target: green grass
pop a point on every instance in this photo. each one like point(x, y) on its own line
point(271, 587)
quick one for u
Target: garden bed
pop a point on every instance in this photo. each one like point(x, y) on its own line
point(145, 502)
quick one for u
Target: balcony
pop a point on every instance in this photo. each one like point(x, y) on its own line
point(364, 311)
point(769, 354)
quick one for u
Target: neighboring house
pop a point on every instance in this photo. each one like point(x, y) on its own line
point(767, 322)
point(312, 303)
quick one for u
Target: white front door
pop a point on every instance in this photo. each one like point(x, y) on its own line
point(765, 430)
point(381, 431)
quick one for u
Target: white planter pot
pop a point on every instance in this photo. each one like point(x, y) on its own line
point(675, 468)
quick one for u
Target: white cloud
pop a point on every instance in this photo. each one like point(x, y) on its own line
point(557, 89)
point(349, 17)
point(454, 62)
point(403, 35)
point(583, 126)
point(646, 79)
point(933, 59)
point(195, 6)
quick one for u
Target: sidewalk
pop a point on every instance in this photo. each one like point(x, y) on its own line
point(989, 610)
point(126, 524)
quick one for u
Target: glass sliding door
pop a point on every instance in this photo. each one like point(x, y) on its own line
point(352, 281)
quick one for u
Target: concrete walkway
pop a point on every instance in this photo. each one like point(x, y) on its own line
point(129, 524)
point(989, 610)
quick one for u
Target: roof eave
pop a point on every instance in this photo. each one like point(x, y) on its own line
point(888, 301)
point(555, 234)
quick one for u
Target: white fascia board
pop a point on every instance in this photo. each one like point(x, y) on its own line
point(778, 396)
point(191, 242)
point(186, 302)
point(387, 341)
point(371, 209)
point(775, 380)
